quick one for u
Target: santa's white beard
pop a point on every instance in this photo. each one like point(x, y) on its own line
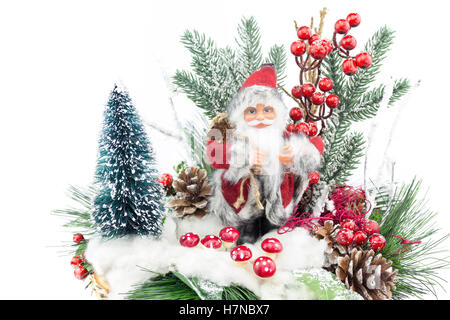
point(268, 141)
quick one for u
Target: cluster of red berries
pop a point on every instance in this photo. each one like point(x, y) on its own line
point(351, 234)
point(318, 48)
point(308, 91)
point(348, 42)
point(78, 262)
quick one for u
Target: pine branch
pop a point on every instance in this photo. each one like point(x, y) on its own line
point(357, 103)
point(249, 45)
point(377, 47)
point(404, 214)
point(368, 105)
point(217, 74)
point(401, 87)
point(80, 216)
point(211, 85)
point(345, 160)
point(277, 56)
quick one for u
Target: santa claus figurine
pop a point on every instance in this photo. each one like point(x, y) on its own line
point(261, 173)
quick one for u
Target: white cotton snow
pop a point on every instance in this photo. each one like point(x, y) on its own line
point(120, 261)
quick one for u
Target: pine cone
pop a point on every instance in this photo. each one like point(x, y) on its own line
point(334, 250)
point(192, 189)
point(369, 275)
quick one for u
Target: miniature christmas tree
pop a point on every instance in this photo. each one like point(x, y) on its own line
point(129, 197)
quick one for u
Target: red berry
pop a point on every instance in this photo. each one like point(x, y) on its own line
point(341, 26)
point(314, 177)
point(332, 101)
point(363, 60)
point(328, 44)
point(349, 67)
point(348, 42)
point(78, 238)
point(297, 92)
point(308, 89)
point(290, 127)
point(296, 114)
point(166, 180)
point(312, 129)
point(76, 261)
point(286, 134)
point(377, 242)
point(348, 224)
point(298, 48)
point(325, 84)
point(354, 19)
point(344, 237)
point(302, 127)
point(317, 50)
point(80, 272)
point(304, 33)
point(318, 98)
point(360, 237)
point(313, 38)
point(370, 227)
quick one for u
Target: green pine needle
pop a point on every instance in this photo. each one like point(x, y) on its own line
point(404, 214)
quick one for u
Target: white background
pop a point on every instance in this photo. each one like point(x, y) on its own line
point(60, 59)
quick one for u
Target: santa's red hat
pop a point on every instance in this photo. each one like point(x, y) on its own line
point(266, 76)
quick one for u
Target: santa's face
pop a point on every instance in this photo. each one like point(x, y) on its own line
point(260, 116)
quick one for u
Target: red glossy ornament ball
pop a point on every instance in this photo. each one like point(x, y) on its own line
point(166, 180)
point(332, 101)
point(354, 19)
point(314, 177)
point(75, 261)
point(370, 227)
point(318, 98)
point(317, 50)
point(325, 84)
point(304, 33)
point(360, 237)
point(363, 60)
point(78, 238)
point(349, 67)
point(344, 237)
point(302, 127)
point(348, 42)
point(80, 272)
point(189, 240)
point(298, 48)
point(341, 26)
point(296, 114)
point(377, 242)
point(312, 129)
point(313, 38)
point(308, 89)
point(290, 127)
point(297, 92)
point(348, 224)
point(264, 267)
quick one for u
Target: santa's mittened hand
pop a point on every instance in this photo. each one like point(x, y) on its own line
point(258, 159)
point(286, 158)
